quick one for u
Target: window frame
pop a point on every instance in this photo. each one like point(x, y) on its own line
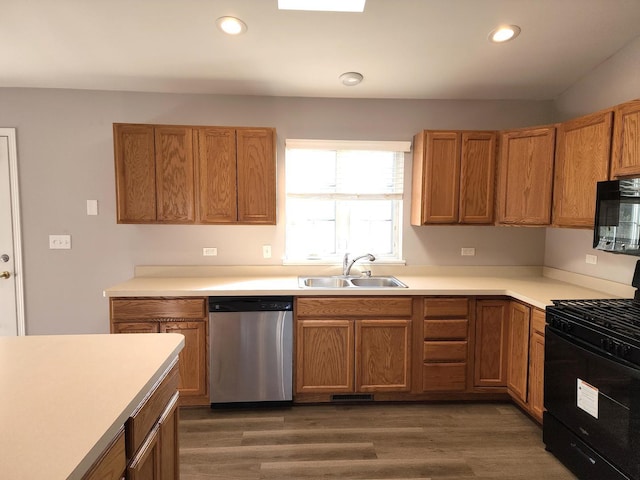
point(397, 198)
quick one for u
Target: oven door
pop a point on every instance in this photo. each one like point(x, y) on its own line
point(596, 397)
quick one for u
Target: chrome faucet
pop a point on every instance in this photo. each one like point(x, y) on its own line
point(346, 264)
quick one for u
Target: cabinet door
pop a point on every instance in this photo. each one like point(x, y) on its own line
point(193, 363)
point(135, 327)
point(477, 177)
point(256, 161)
point(383, 355)
point(135, 173)
point(146, 464)
point(441, 194)
point(217, 175)
point(169, 456)
point(490, 369)
point(519, 318)
point(526, 176)
point(324, 356)
point(625, 159)
point(113, 462)
point(175, 179)
point(582, 159)
point(536, 376)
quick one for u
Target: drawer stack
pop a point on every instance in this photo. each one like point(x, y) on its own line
point(445, 350)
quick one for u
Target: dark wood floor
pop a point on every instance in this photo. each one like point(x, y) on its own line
point(398, 441)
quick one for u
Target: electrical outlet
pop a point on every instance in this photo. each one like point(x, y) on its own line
point(468, 252)
point(591, 259)
point(209, 251)
point(60, 242)
point(266, 251)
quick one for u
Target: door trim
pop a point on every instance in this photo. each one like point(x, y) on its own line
point(10, 133)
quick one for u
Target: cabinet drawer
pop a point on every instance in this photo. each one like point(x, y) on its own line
point(147, 414)
point(444, 377)
point(446, 329)
point(112, 464)
point(445, 351)
point(538, 321)
point(360, 307)
point(126, 309)
point(135, 327)
point(446, 307)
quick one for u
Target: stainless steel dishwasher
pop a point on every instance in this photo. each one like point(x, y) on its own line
point(251, 343)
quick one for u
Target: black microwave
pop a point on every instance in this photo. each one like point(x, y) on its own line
point(617, 218)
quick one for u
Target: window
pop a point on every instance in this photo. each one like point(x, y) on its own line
point(343, 197)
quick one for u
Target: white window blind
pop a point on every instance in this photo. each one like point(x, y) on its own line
point(343, 197)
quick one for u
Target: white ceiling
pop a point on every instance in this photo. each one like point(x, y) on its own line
point(435, 49)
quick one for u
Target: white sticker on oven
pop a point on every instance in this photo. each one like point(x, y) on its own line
point(588, 398)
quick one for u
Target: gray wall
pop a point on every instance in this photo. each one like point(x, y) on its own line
point(615, 81)
point(65, 155)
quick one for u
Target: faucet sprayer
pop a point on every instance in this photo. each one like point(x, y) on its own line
point(346, 264)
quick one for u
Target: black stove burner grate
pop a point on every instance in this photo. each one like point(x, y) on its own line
point(619, 315)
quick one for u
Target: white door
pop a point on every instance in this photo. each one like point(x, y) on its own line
point(11, 293)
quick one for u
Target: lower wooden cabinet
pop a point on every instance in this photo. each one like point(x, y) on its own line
point(157, 459)
point(153, 430)
point(383, 355)
point(446, 344)
point(491, 330)
point(517, 373)
point(536, 364)
point(113, 462)
point(324, 356)
point(184, 315)
point(353, 345)
point(146, 448)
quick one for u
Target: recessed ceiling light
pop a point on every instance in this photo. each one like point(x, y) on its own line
point(351, 79)
point(323, 5)
point(504, 33)
point(231, 25)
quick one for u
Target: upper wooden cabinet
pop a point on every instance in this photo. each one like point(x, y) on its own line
point(256, 175)
point(525, 176)
point(625, 157)
point(217, 175)
point(155, 179)
point(583, 148)
point(134, 149)
point(183, 174)
point(453, 177)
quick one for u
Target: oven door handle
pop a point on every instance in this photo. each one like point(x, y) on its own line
point(579, 450)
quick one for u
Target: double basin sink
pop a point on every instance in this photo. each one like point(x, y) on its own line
point(350, 282)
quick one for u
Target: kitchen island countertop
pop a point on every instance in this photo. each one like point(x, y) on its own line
point(65, 397)
point(537, 287)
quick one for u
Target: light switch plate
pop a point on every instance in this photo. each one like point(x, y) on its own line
point(266, 251)
point(60, 242)
point(92, 207)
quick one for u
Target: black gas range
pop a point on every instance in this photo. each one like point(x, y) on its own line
point(612, 325)
point(592, 387)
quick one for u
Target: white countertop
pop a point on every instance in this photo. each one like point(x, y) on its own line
point(535, 286)
point(65, 397)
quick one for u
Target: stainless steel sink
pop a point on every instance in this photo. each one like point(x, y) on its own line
point(326, 282)
point(350, 282)
point(383, 282)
